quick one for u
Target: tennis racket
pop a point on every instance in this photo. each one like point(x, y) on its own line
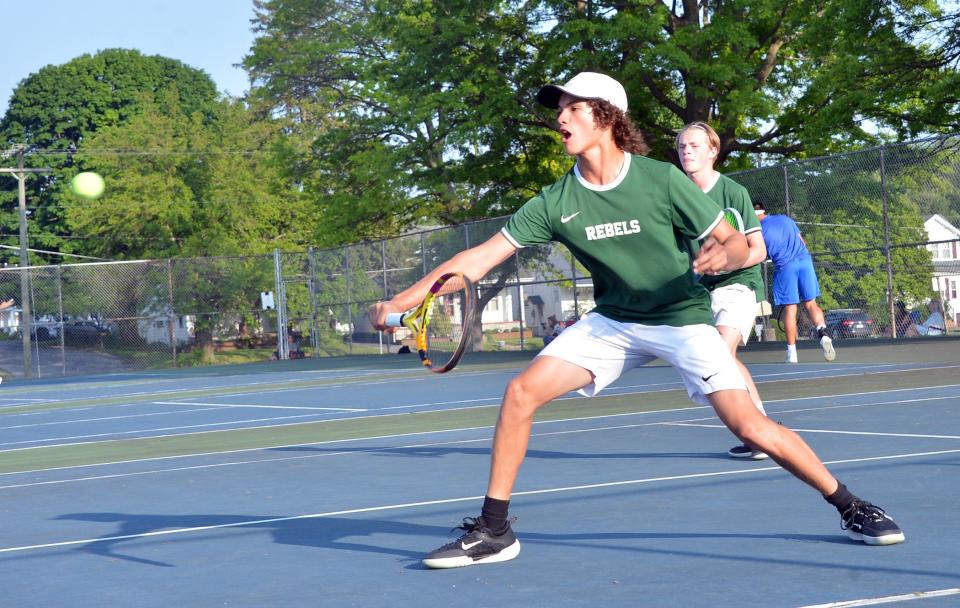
point(442, 323)
point(734, 218)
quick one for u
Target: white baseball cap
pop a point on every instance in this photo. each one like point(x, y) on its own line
point(585, 85)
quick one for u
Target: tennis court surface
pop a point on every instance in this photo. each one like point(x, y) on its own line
point(323, 483)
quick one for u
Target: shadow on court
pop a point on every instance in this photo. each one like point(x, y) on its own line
point(321, 532)
point(338, 534)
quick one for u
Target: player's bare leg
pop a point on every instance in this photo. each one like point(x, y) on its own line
point(490, 538)
point(543, 381)
point(862, 520)
point(780, 443)
point(731, 337)
point(815, 312)
point(826, 341)
point(790, 329)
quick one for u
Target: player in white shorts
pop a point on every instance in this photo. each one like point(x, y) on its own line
point(734, 295)
point(626, 219)
point(608, 348)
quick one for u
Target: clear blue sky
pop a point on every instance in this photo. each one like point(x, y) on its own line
point(211, 35)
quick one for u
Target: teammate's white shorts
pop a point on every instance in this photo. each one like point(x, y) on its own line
point(735, 306)
point(607, 348)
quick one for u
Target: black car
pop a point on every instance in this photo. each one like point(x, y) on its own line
point(84, 331)
point(850, 323)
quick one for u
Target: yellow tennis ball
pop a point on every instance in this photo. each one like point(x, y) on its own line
point(87, 184)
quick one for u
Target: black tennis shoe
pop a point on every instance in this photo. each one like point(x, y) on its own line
point(479, 545)
point(870, 524)
point(745, 451)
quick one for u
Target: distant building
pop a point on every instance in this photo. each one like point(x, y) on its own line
point(946, 263)
point(155, 327)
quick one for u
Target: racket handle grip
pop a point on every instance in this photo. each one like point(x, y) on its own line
point(394, 319)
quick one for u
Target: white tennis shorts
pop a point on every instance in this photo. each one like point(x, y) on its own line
point(735, 306)
point(608, 348)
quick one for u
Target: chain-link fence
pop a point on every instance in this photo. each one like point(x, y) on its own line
point(881, 224)
point(882, 227)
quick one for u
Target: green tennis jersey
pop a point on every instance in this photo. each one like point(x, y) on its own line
point(728, 193)
point(631, 235)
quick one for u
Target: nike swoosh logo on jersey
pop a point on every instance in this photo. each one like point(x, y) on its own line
point(566, 218)
point(707, 378)
point(466, 546)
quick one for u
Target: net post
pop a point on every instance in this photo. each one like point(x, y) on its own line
point(886, 242)
point(63, 345)
point(312, 289)
point(171, 316)
point(280, 307)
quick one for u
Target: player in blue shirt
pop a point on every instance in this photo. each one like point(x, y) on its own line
point(794, 280)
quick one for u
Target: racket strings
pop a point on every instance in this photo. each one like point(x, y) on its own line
point(448, 322)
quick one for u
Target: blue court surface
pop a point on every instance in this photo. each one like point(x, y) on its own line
point(314, 483)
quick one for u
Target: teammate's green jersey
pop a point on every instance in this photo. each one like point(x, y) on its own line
point(631, 235)
point(728, 193)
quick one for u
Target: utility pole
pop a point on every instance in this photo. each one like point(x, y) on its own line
point(25, 315)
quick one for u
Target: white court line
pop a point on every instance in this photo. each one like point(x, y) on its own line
point(335, 409)
point(849, 405)
point(293, 389)
point(374, 450)
point(592, 486)
point(271, 391)
point(826, 431)
point(347, 383)
point(327, 442)
point(890, 599)
point(271, 426)
point(375, 415)
point(301, 457)
point(266, 407)
point(125, 417)
point(119, 434)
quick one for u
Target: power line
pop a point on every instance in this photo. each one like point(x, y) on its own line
point(148, 152)
point(60, 253)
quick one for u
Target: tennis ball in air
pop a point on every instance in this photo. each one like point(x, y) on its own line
point(87, 184)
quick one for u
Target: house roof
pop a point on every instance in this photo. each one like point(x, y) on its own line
point(941, 222)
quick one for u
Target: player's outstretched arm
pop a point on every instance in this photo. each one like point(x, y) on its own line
point(758, 249)
point(475, 263)
point(725, 249)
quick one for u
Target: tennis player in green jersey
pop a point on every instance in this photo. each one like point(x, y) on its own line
point(627, 219)
point(733, 295)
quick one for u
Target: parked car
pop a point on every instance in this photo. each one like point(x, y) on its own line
point(84, 331)
point(850, 323)
point(44, 327)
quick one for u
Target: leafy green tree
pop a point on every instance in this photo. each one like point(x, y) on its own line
point(839, 204)
point(64, 105)
point(183, 184)
point(420, 110)
point(427, 108)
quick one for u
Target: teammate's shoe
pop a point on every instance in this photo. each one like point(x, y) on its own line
point(745, 451)
point(870, 524)
point(826, 343)
point(479, 545)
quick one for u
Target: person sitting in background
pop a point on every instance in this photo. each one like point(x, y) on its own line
point(552, 331)
point(934, 325)
point(902, 318)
